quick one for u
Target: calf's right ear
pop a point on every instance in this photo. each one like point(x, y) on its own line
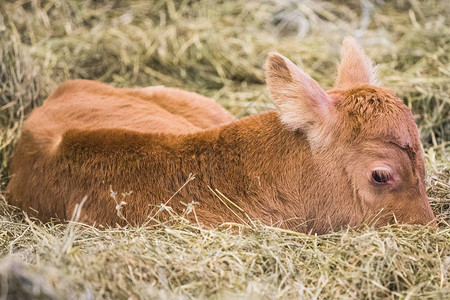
point(302, 102)
point(355, 68)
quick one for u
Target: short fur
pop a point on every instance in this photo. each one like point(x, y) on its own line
point(307, 167)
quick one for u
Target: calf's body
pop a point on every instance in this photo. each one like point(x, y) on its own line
point(294, 168)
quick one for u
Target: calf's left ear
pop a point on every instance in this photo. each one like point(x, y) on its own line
point(302, 102)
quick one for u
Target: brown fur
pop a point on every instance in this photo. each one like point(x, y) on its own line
point(306, 167)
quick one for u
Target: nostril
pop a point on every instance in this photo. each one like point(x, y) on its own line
point(433, 223)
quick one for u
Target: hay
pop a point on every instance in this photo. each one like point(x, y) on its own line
point(217, 48)
point(185, 261)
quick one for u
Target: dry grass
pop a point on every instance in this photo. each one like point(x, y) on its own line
point(185, 261)
point(217, 48)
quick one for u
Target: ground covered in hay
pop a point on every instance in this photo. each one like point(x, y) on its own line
point(217, 48)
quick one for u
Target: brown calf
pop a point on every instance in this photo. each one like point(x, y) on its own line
point(323, 161)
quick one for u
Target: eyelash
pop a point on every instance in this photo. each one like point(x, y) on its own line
point(381, 176)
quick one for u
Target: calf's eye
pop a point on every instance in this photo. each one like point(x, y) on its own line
point(380, 176)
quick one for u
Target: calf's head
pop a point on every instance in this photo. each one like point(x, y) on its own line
point(361, 131)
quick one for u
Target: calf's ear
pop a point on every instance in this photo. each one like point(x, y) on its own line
point(303, 103)
point(355, 67)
